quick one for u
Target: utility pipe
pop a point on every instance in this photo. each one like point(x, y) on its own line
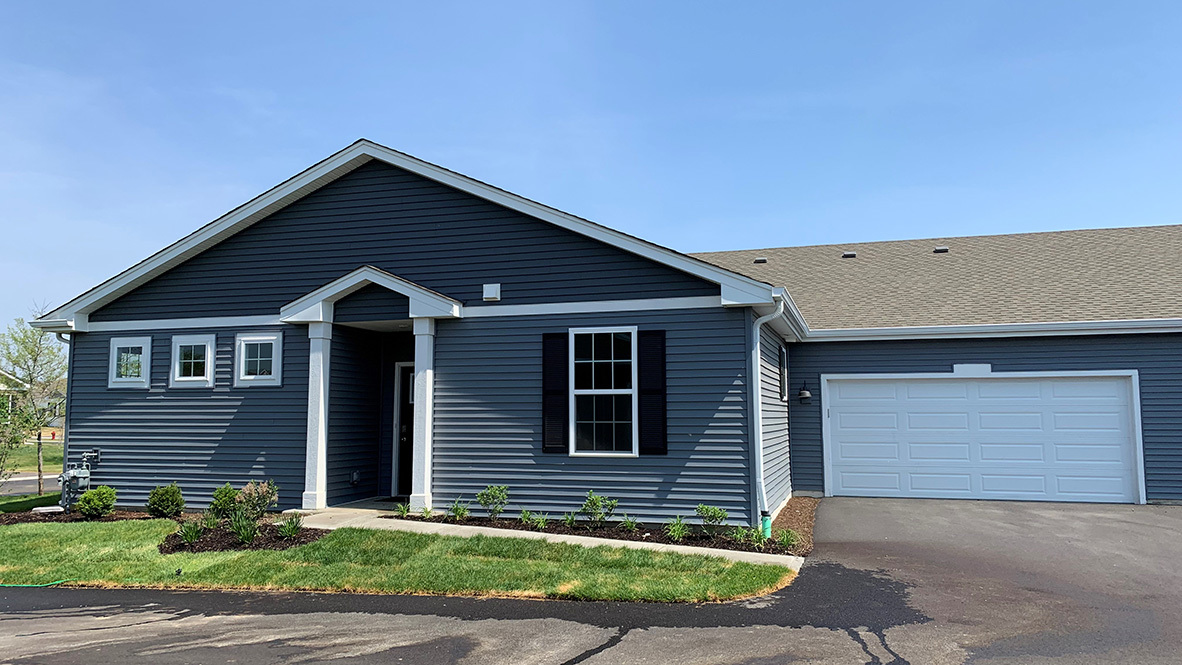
point(757, 411)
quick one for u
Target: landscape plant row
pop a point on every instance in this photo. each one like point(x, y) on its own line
point(598, 512)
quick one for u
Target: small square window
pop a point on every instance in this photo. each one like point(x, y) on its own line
point(258, 359)
point(192, 361)
point(130, 362)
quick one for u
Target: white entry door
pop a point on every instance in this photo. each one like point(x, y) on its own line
point(1069, 438)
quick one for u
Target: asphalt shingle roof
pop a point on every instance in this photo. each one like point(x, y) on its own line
point(1088, 275)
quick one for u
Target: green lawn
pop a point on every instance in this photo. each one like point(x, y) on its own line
point(22, 502)
point(125, 554)
point(23, 459)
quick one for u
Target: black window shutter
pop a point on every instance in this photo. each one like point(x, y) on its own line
point(650, 354)
point(555, 397)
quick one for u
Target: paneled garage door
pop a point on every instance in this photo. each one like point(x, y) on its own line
point(1039, 439)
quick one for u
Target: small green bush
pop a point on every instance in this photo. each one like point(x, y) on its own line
point(209, 520)
point(712, 517)
point(739, 534)
point(677, 529)
point(257, 498)
point(225, 500)
point(97, 502)
point(166, 501)
point(244, 525)
point(539, 521)
point(458, 511)
point(570, 519)
point(426, 513)
point(289, 527)
point(403, 510)
point(598, 509)
point(628, 524)
point(493, 499)
point(787, 538)
point(190, 531)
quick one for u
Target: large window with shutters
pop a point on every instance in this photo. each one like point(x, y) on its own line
point(603, 392)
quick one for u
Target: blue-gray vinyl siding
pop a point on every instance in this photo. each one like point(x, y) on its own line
point(354, 418)
point(777, 476)
point(413, 227)
point(371, 303)
point(488, 417)
point(1157, 358)
point(199, 437)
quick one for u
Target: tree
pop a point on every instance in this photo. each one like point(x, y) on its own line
point(34, 357)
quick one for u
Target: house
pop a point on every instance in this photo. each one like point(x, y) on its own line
point(380, 326)
point(10, 390)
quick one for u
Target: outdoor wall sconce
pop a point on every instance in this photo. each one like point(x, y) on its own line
point(804, 394)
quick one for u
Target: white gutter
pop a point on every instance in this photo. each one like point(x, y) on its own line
point(757, 406)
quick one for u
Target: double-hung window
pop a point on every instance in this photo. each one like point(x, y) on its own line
point(192, 361)
point(130, 362)
point(258, 359)
point(603, 392)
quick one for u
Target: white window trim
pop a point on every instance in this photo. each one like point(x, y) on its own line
point(275, 379)
point(784, 379)
point(143, 382)
point(634, 391)
point(174, 373)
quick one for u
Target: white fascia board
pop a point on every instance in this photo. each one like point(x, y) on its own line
point(593, 306)
point(741, 289)
point(1122, 327)
point(316, 307)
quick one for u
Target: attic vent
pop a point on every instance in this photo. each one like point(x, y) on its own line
point(760, 259)
point(849, 255)
point(940, 250)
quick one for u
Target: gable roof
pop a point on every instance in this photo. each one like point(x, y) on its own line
point(736, 289)
point(1102, 275)
point(317, 305)
point(9, 383)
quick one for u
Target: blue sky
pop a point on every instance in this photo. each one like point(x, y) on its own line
point(701, 126)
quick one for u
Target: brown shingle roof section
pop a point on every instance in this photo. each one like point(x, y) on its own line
point(1090, 275)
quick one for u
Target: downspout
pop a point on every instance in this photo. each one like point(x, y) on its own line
point(765, 516)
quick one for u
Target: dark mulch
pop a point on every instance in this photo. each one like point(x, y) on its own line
point(223, 540)
point(35, 518)
point(646, 533)
point(798, 515)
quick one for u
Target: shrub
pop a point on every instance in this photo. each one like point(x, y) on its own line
point(426, 513)
point(97, 502)
point(403, 509)
point(739, 534)
point(787, 538)
point(166, 501)
point(458, 511)
point(289, 527)
point(190, 531)
point(493, 499)
point(630, 525)
point(257, 498)
point(540, 520)
point(677, 529)
point(598, 509)
point(526, 517)
point(225, 499)
point(244, 525)
point(712, 517)
point(209, 520)
point(570, 520)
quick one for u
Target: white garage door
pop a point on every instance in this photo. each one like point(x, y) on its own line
point(1039, 439)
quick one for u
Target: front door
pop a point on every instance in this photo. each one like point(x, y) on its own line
point(406, 426)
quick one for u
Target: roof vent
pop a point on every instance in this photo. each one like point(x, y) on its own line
point(760, 259)
point(940, 250)
point(849, 255)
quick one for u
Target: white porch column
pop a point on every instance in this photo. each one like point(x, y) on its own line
point(420, 496)
point(316, 460)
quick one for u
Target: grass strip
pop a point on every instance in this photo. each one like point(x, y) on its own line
point(363, 560)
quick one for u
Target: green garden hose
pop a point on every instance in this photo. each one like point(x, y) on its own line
point(38, 585)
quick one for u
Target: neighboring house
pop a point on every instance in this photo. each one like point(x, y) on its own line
point(10, 389)
point(380, 326)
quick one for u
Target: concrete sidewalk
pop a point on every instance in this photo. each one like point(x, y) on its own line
point(368, 518)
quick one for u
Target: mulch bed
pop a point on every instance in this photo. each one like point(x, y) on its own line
point(798, 515)
point(223, 540)
point(29, 517)
point(648, 533)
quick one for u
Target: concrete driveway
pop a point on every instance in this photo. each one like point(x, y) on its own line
point(891, 581)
